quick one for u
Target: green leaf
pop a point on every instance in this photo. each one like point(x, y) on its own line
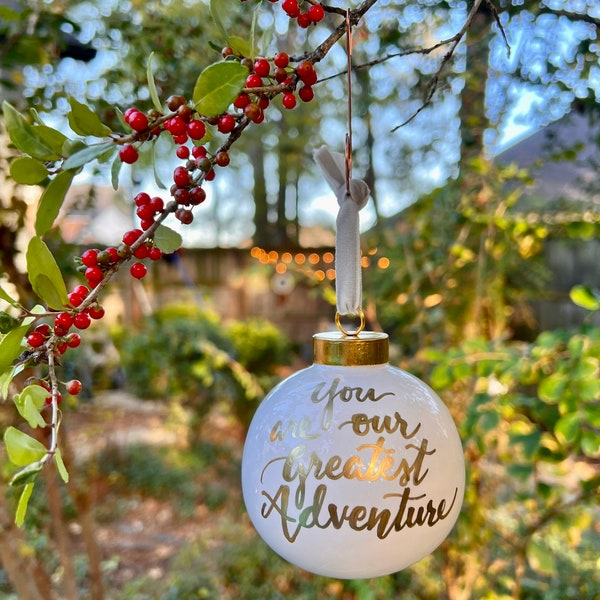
point(52, 138)
point(44, 274)
point(27, 474)
point(7, 377)
point(84, 121)
point(586, 297)
point(27, 170)
point(24, 136)
point(29, 403)
point(22, 506)
point(553, 387)
point(540, 559)
point(218, 12)
point(218, 86)
point(7, 322)
point(530, 443)
point(167, 240)
point(152, 85)
point(240, 45)
point(567, 428)
point(60, 466)
point(21, 448)
point(7, 298)
point(10, 346)
point(87, 155)
point(51, 201)
point(115, 171)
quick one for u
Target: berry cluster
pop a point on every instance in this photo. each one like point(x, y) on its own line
point(265, 81)
point(314, 14)
point(267, 78)
point(293, 9)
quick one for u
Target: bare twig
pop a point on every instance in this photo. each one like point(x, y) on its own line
point(433, 84)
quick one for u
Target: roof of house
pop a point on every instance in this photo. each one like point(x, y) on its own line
point(564, 158)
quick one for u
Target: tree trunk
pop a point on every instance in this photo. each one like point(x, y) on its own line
point(27, 576)
point(473, 119)
point(262, 233)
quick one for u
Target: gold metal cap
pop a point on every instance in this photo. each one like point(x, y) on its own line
point(366, 348)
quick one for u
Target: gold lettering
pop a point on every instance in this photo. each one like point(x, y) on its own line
point(293, 429)
point(362, 424)
point(345, 394)
point(383, 521)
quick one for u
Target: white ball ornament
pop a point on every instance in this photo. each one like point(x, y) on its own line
point(353, 468)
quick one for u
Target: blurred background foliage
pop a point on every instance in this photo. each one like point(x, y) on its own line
point(456, 304)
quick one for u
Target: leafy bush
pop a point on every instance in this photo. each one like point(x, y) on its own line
point(530, 421)
point(183, 353)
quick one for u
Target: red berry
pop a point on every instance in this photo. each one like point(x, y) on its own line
point(132, 236)
point(180, 139)
point(138, 270)
point(157, 204)
point(75, 299)
point(226, 124)
point(35, 339)
point(82, 290)
point(182, 152)
point(74, 387)
point(128, 154)
point(307, 73)
point(198, 151)
point(197, 195)
point(253, 112)
point(73, 340)
point(155, 253)
point(141, 199)
point(138, 121)
point(129, 112)
point(242, 101)
point(281, 60)
point(262, 67)
point(288, 100)
point(196, 129)
point(145, 212)
point(146, 224)
point(291, 8)
point(43, 329)
point(141, 252)
point(184, 215)
point(176, 126)
point(94, 276)
point(90, 258)
point(222, 159)
point(62, 347)
point(316, 13)
point(263, 102)
point(254, 81)
point(96, 311)
point(210, 175)
point(306, 93)
point(280, 75)
point(304, 20)
point(182, 196)
point(181, 177)
point(63, 320)
point(113, 254)
point(82, 320)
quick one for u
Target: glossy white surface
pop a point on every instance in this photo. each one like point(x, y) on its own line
point(353, 472)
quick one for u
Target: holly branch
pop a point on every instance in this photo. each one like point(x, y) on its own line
point(229, 96)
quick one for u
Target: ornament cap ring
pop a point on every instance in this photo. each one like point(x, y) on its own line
point(338, 323)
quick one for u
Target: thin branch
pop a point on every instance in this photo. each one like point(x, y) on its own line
point(433, 84)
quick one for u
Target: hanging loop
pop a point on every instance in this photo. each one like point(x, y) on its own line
point(348, 144)
point(338, 323)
